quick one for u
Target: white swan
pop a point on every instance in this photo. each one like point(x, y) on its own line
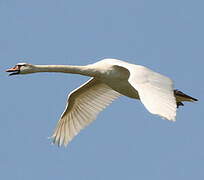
point(111, 78)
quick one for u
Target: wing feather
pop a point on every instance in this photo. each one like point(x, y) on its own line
point(155, 92)
point(83, 106)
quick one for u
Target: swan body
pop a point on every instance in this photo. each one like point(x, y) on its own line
point(110, 78)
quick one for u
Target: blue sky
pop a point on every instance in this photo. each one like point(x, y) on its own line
point(125, 142)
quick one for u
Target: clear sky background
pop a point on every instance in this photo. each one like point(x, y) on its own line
point(125, 142)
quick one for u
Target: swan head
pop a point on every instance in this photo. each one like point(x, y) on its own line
point(21, 68)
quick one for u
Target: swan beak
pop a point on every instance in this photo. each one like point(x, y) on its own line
point(15, 70)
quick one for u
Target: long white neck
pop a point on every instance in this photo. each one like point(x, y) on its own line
point(87, 70)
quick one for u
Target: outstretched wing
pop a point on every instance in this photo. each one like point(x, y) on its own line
point(155, 92)
point(83, 106)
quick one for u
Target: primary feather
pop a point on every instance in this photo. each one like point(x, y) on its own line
point(82, 108)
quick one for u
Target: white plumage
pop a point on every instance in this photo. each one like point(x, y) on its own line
point(155, 92)
point(82, 108)
point(111, 78)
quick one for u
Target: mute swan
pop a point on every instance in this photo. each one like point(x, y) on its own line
point(111, 78)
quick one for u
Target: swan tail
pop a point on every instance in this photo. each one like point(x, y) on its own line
point(180, 97)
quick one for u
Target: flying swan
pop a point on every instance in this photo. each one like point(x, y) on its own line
point(110, 78)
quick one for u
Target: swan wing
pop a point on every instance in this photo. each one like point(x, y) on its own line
point(83, 106)
point(155, 92)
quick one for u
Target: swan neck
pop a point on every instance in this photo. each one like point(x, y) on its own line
point(83, 70)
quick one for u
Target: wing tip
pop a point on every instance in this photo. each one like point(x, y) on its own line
point(58, 141)
point(172, 119)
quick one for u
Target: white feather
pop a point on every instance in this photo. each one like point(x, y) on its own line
point(110, 79)
point(155, 92)
point(82, 108)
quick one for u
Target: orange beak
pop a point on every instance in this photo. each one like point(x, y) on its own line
point(14, 70)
